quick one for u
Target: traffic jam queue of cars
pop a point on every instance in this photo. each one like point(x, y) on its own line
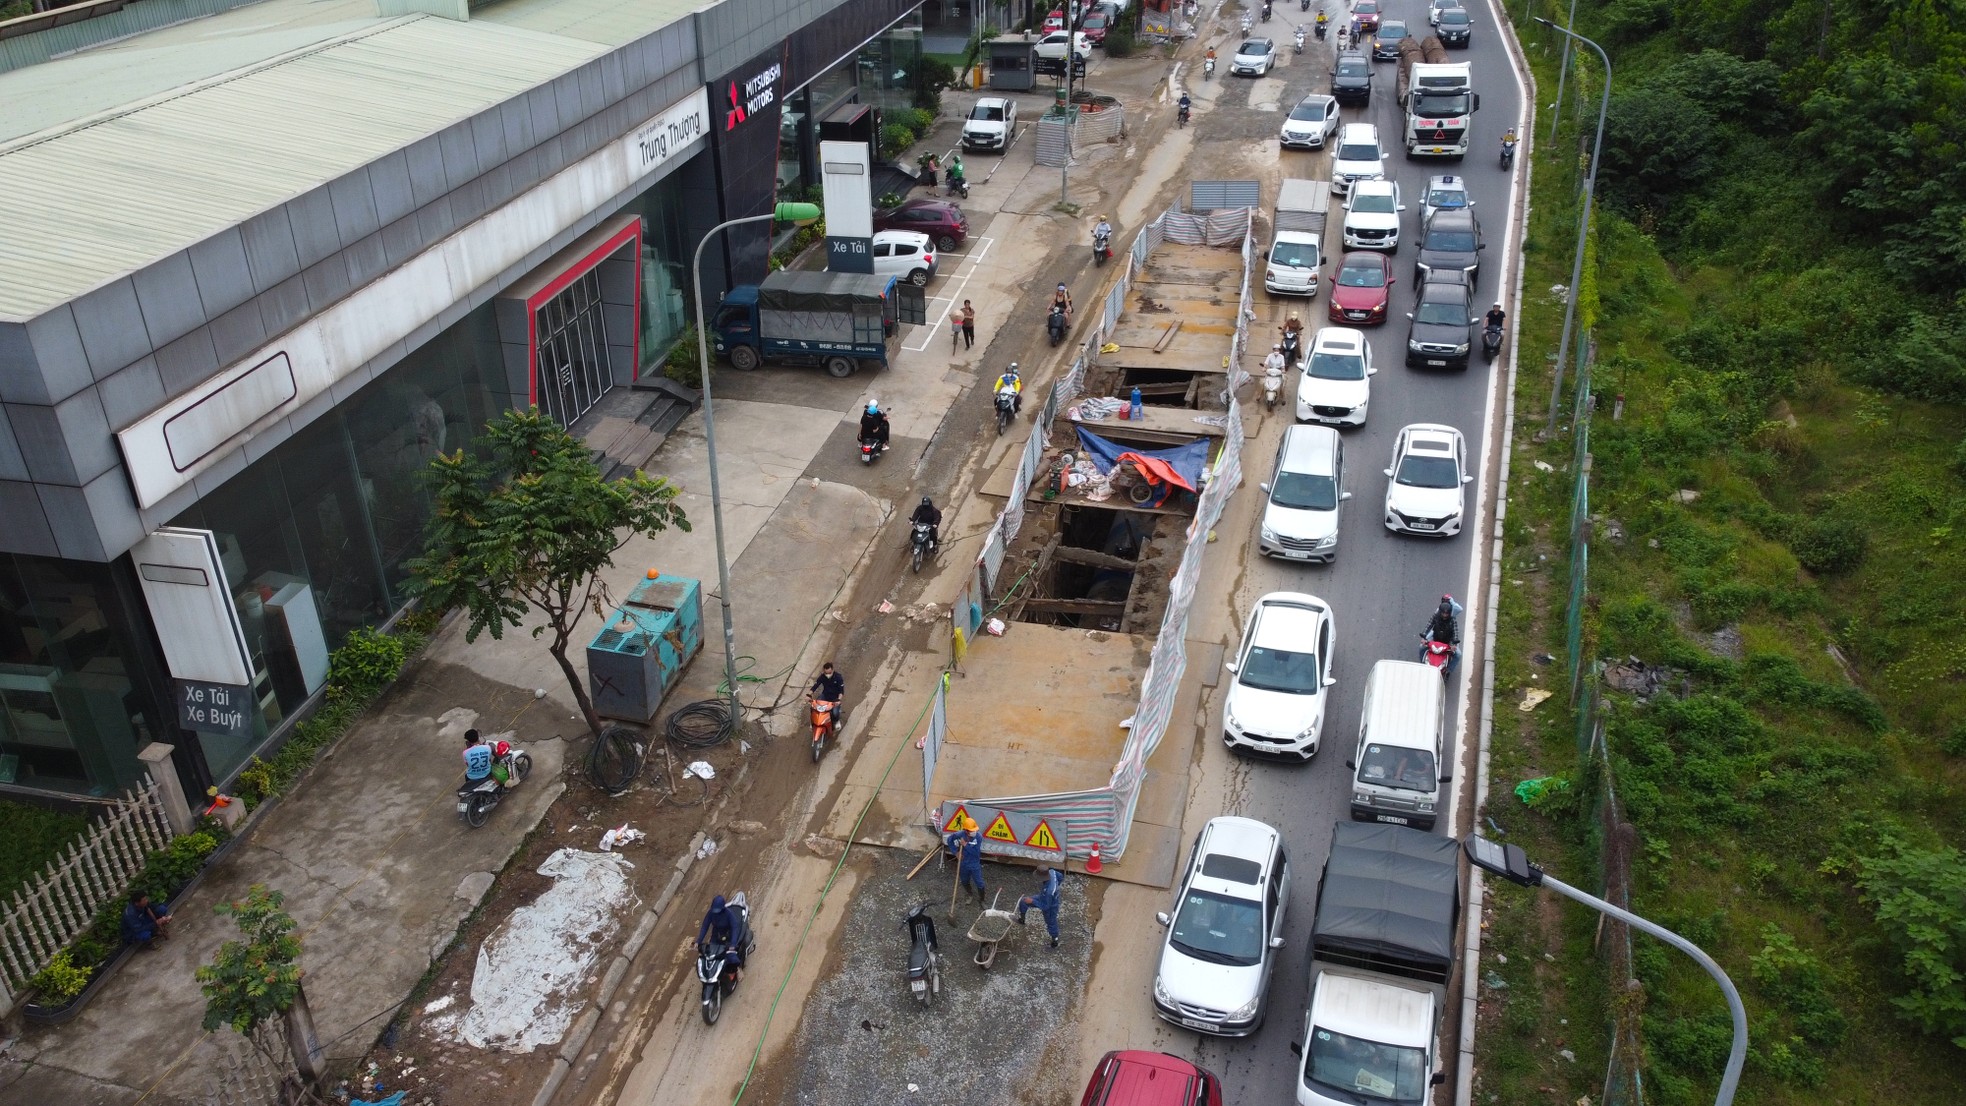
point(1383, 938)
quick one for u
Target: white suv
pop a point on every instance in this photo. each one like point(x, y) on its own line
point(1372, 216)
point(1359, 157)
point(1227, 927)
point(1336, 384)
point(1306, 497)
point(1275, 705)
point(990, 124)
point(1424, 487)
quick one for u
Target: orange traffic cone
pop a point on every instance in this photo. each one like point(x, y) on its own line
point(1092, 863)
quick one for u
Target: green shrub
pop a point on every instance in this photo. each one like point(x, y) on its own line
point(365, 664)
point(422, 622)
point(919, 120)
point(682, 364)
point(1829, 545)
point(61, 980)
point(1919, 899)
point(30, 837)
point(167, 870)
point(895, 137)
point(1120, 39)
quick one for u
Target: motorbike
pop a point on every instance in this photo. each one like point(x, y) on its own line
point(1266, 11)
point(825, 724)
point(1102, 244)
point(1006, 410)
point(1319, 30)
point(1181, 114)
point(713, 967)
point(958, 186)
point(924, 961)
point(1304, 6)
point(1438, 654)
point(918, 544)
point(1246, 23)
point(1272, 386)
point(1491, 340)
point(476, 798)
point(1290, 346)
point(1207, 67)
point(1300, 40)
point(1508, 153)
point(1054, 325)
point(870, 448)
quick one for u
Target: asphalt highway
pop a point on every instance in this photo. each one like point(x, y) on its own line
point(1382, 586)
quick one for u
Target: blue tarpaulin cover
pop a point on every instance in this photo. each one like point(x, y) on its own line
point(1179, 465)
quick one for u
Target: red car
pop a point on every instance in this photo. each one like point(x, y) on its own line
point(1136, 1078)
point(1095, 28)
point(1366, 14)
point(1358, 295)
point(939, 220)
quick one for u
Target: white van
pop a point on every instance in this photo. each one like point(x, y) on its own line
point(1398, 771)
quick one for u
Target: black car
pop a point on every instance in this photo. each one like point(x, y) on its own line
point(1351, 80)
point(1443, 326)
point(1455, 28)
point(1385, 43)
point(1450, 243)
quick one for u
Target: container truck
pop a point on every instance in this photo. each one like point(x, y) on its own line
point(1439, 100)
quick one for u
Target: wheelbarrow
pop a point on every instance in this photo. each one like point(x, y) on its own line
point(989, 930)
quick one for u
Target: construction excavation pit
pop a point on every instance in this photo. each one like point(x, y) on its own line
point(1098, 568)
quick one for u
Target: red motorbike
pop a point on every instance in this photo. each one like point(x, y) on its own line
point(825, 725)
point(1439, 654)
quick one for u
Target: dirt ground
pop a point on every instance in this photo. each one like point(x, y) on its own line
point(416, 1054)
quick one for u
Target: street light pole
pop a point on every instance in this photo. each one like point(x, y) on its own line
point(1563, 69)
point(790, 213)
point(1583, 225)
point(1509, 862)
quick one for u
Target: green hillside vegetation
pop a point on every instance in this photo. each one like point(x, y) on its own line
point(1775, 290)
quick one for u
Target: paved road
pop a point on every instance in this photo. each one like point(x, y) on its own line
point(1382, 587)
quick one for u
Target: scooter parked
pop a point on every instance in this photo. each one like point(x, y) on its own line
point(924, 959)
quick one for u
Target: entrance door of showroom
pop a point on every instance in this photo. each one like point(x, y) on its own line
point(572, 350)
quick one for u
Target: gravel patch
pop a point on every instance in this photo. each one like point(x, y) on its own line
point(864, 1037)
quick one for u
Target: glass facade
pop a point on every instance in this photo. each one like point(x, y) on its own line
point(881, 74)
point(665, 270)
point(71, 715)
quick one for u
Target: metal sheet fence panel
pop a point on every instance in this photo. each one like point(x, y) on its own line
point(992, 559)
point(1216, 195)
point(1103, 125)
point(1054, 142)
point(938, 730)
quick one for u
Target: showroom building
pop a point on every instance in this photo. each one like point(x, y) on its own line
point(265, 259)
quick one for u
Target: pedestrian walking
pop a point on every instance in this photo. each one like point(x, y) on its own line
point(1046, 902)
point(969, 325)
point(955, 331)
point(967, 847)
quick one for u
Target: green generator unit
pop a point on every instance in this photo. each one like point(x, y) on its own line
point(641, 651)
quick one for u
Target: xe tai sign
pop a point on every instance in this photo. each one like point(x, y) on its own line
point(215, 708)
point(752, 96)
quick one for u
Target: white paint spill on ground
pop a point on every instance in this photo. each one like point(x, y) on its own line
point(524, 990)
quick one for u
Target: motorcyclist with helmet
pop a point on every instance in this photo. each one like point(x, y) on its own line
point(926, 513)
point(724, 925)
point(873, 424)
point(1445, 627)
point(1010, 381)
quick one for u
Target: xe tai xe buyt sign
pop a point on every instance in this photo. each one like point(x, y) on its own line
point(215, 708)
point(753, 95)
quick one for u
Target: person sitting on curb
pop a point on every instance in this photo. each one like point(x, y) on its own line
point(144, 922)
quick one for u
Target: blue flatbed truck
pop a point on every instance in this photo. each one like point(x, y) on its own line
point(839, 321)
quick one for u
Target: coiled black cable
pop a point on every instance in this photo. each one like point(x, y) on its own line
point(616, 759)
point(703, 724)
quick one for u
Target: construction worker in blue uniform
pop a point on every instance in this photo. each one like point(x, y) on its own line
point(966, 845)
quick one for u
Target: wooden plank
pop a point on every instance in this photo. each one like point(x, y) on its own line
point(1167, 339)
point(923, 862)
point(1072, 554)
point(1075, 606)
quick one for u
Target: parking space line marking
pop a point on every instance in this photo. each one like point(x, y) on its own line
point(954, 296)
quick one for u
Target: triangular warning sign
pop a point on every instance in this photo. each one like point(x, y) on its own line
point(955, 821)
point(1042, 838)
point(1000, 830)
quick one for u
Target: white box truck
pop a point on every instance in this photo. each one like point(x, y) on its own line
point(1296, 246)
point(1398, 771)
point(1382, 950)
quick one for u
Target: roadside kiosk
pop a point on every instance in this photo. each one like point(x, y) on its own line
point(1013, 63)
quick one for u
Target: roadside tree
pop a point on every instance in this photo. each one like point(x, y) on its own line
point(526, 526)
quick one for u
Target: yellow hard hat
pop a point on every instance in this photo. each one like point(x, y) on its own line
point(968, 822)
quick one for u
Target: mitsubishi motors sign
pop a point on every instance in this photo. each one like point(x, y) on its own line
point(752, 95)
